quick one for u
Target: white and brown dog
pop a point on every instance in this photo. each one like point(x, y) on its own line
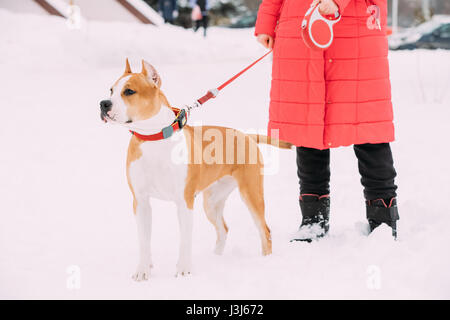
point(217, 160)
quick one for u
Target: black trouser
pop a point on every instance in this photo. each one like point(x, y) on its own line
point(375, 163)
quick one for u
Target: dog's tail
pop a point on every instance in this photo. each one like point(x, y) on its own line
point(259, 138)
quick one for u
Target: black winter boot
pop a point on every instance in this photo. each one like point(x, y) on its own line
point(383, 211)
point(315, 221)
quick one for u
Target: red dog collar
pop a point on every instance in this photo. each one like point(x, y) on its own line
point(167, 132)
point(317, 30)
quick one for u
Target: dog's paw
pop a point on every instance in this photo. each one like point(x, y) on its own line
point(142, 273)
point(220, 247)
point(183, 269)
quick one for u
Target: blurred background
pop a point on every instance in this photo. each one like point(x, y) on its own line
point(414, 23)
point(242, 13)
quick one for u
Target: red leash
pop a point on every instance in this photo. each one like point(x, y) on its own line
point(181, 114)
point(214, 92)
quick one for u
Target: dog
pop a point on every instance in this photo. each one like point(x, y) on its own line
point(216, 160)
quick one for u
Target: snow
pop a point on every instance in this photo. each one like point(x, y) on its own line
point(23, 6)
point(66, 206)
point(95, 10)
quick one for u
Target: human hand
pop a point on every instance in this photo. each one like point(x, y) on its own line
point(265, 40)
point(326, 7)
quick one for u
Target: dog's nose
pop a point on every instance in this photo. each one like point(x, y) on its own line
point(105, 105)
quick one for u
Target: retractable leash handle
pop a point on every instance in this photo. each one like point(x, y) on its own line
point(317, 30)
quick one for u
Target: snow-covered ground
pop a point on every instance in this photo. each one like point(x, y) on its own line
point(65, 201)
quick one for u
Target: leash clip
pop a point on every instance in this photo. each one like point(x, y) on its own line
point(195, 105)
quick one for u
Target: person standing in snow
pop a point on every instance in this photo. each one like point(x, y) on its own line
point(327, 99)
point(168, 10)
point(199, 15)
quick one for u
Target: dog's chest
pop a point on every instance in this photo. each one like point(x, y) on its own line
point(161, 170)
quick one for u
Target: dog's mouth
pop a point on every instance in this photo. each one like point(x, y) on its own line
point(106, 118)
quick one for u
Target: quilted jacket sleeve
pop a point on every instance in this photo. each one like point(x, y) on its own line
point(268, 14)
point(342, 4)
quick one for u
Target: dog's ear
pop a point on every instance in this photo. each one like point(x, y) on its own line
point(127, 67)
point(150, 72)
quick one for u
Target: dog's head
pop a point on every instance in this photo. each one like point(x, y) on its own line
point(134, 96)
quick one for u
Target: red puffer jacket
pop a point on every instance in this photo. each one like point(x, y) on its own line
point(337, 97)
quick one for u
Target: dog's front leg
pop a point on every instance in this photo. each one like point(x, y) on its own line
point(144, 229)
point(185, 217)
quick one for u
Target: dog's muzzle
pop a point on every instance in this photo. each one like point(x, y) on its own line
point(105, 106)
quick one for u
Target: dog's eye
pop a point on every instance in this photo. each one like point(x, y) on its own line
point(128, 92)
point(111, 90)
